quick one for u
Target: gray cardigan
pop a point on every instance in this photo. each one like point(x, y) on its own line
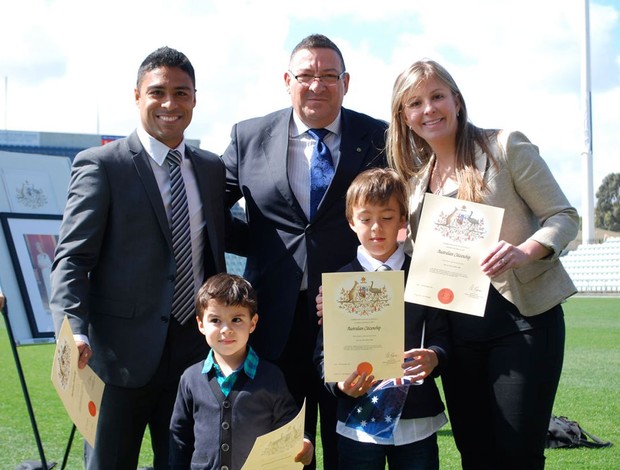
point(208, 430)
point(535, 208)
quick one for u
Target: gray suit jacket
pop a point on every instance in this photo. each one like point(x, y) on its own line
point(114, 269)
point(280, 235)
point(535, 207)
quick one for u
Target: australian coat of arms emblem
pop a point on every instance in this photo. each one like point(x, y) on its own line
point(461, 225)
point(64, 364)
point(363, 297)
point(30, 196)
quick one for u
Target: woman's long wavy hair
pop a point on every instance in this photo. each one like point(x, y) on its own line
point(408, 153)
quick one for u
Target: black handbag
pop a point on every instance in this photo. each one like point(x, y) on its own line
point(566, 433)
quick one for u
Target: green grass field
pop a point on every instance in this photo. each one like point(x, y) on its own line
point(589, 393)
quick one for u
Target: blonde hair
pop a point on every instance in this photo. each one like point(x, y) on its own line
point(376, 186)
point(408, 153)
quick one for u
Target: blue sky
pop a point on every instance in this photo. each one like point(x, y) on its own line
point(70, 65)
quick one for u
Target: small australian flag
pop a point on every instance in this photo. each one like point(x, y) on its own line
point(378, 412)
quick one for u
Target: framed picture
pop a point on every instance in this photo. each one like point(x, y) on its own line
point(29, 191)
point(32, 240)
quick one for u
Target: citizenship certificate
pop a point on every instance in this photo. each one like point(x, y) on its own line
point(277, 450)
point(363, 324)
point(452, 239)
point(80, 390)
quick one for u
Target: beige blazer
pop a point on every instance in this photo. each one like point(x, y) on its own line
point(535, 208)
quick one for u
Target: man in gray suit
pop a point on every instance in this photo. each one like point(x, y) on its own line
point(291, 243)
point(115, 270)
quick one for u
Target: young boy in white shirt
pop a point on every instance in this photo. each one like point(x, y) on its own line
point(370, 432)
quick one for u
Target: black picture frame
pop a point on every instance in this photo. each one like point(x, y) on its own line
point(32, 240)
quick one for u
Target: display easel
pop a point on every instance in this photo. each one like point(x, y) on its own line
point(68, 449)
point(27, 465)
point(49, 176)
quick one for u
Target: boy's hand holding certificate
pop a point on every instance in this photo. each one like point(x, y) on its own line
point(277, 450)
point(363, 324)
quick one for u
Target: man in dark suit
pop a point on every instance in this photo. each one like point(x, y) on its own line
point(115, 272)
point(289, 244)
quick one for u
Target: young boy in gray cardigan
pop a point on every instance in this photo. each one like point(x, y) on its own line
point(225, 402)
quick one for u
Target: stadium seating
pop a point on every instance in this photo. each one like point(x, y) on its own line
point(70, 152)
point(595, 268)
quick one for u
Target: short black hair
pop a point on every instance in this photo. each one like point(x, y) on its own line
point(166, 57)
point(318, 41)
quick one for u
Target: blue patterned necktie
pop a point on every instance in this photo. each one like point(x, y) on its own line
point(321, 169)
point(183, 300)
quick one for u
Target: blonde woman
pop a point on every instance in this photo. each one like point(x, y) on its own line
point(504, 371)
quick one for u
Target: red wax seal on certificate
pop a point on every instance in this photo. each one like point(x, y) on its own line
point(92, 409)
point(364, 367)
point(445, 296)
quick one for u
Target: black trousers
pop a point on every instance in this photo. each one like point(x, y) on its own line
point(304, 382)
point(500, 396)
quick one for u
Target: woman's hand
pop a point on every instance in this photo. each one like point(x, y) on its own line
point(506, 256)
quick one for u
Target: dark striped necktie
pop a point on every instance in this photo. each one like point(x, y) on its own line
point(183, 300)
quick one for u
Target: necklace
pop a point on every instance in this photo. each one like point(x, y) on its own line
point(442, 179)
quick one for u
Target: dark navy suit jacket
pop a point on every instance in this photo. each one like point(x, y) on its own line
point(279, 234)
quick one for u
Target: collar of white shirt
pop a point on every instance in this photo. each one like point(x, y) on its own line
point(369, 263)
point(156, 149)
point(299, 127)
